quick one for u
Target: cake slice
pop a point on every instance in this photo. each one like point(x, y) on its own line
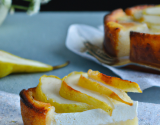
point(37, 112)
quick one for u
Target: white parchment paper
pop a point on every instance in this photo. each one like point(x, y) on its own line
point(77, 34)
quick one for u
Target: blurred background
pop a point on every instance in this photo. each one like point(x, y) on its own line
point(87, 5)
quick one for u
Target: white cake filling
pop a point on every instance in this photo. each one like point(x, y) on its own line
point(124, 38)
point(122, 112)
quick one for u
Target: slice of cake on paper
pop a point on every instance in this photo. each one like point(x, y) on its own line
point(80, 98)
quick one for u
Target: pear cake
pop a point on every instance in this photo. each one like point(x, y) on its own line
point(144, 21)
point(90, 98)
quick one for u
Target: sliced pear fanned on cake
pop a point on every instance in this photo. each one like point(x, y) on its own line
point(125, 85)
point(48, 91)
point(72, 91)
point(10, 63)
point(105, 89)
point(52, 100)
point(150, 16)
point(137, 12)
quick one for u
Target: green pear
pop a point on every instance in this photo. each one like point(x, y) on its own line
point(10, 63)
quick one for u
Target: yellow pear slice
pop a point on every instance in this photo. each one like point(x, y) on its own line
point(152, 11)
point(70, 90)
point(151, 19)
point(10, 63)
point(138, 15)
point(105, 89)
point(154, 28)
point(125, 85)
point(48, 91)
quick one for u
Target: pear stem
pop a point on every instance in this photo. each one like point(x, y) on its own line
point(61, 66)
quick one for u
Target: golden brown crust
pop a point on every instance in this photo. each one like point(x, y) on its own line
point(112, 17)
point(111, 33)
point(145, 48)
point(34, 112)
point(111, 39)
point(131, 10)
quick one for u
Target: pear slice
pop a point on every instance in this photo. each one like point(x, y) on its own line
point(48, 91)
point(154, 28)
point(70, 90)
point(151, 19)
point(152, 11)
point(10, 63)
point(138, 16)
point(125, 85)
point(105, 89)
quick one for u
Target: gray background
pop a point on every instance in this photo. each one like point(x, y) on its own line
point(42, 38)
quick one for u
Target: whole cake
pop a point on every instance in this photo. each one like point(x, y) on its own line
point(118, 25)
